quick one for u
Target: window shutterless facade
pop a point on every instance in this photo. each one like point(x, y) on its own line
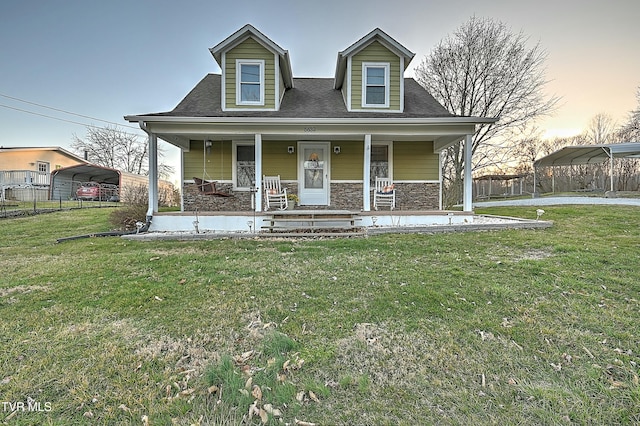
point(375, 85)
point(249, 82)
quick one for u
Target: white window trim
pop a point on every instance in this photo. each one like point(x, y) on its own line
point(47, 166)
point(234, 162)
point(239, 63)
point(387, 83)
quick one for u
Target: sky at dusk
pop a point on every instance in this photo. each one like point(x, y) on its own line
point(113, 58)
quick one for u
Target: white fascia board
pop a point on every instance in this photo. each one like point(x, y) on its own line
point(310, 120)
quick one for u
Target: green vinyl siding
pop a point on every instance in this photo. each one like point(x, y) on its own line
point(376, 52)
point(415, 161)
point(277, 161)
point(216, 165)
point(250, 50)
point(411, 161)
point(348, 164)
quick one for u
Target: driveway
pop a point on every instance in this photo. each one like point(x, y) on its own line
point(553, 201)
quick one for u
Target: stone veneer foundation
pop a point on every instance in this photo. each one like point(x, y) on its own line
point(344, 196)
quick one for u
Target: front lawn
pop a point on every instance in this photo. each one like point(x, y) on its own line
point(505, 327)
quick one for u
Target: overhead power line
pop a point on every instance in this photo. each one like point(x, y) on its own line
point(63, 119)
point(59, 110)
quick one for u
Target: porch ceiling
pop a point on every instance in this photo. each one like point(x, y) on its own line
point(443, 131)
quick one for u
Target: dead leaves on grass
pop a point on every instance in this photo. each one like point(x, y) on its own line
point(258, 408)
point(263, 411)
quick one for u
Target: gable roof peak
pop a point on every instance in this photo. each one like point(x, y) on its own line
point(249, 31)
point(378, 35)
point(239, 36)
point(375, 35)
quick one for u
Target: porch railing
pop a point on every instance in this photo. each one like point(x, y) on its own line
point(10, 178)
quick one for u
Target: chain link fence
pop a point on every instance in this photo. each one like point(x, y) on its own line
point(12, 208)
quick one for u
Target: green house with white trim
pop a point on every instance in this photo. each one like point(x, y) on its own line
point(256, 119)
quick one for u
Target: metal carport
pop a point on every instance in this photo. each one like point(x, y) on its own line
point(65, 181)
point(588, 154)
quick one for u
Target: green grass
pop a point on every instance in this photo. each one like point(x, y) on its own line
point(504, 327)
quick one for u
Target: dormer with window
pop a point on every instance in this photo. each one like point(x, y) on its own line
point(255, 71)
point(370, 73)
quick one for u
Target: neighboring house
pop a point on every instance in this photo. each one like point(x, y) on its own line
point(256, 119)
point(53, 173)
point(25, 172)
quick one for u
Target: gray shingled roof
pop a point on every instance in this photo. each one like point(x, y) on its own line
point(309, 98)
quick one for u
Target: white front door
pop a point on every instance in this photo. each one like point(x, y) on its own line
point(313, 173)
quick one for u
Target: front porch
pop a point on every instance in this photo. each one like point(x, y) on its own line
point(335, 169)
point(251, 222)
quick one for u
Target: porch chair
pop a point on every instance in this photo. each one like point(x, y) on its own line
point(274, 194)
point(209, 188)
point(384, 194)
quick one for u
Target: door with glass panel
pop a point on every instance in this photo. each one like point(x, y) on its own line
point(313, 173)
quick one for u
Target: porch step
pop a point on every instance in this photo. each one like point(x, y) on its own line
point(317, 222)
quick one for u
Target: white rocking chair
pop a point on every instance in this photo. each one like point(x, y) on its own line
point(384, 194)
point(274, 194)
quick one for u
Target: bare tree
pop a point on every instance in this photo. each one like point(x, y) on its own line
point(486, 70)
point(601, 129)
point(528, 148)
point(630, 131)
point(111, 147)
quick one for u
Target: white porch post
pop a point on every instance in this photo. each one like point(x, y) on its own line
point(366, 175)
point(153, 175)
point(467, 204)
point(440, 191)
point(181, 182)
point(258, 171)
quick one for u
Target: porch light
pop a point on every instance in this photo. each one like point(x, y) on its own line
point(208, 144)
point(336, 150)
point(291, 149)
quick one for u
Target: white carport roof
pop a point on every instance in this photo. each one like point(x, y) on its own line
point(589, 154)
point(89, 172)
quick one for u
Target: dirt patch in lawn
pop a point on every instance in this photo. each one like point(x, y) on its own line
point(22, 289)
point(534, 254)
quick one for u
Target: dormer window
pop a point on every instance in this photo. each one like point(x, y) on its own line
point(375, 85)
point(250, 82)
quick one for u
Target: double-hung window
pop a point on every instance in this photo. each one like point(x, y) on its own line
point(375, 85)
point(249, 82)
